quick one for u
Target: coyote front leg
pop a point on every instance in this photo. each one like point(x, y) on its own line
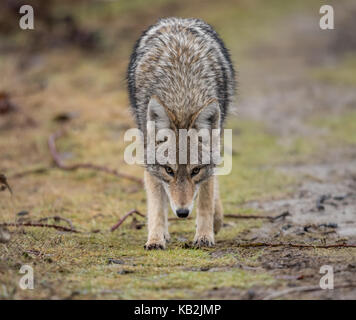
point(157, 210)
point(204, 236)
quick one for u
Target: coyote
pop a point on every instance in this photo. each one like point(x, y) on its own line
point(180, 76)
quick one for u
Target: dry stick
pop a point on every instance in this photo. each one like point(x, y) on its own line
point(305, 289)
point(134, 211)
point(41, 225)
point(119, 223)
point(295, 245)
point(235, 216)
point(56, 218)
point(29, 171)
point(58, 162)
point(239, 216)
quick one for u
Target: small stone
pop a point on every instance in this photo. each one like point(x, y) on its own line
point(22, 213)
point(251, 294)
point(4, 235)
point(115, 261)
point(123, 271)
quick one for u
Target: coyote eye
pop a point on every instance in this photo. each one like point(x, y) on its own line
point(195, 171)
point(169, 171)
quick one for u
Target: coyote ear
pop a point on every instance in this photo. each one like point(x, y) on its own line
point(157, 113)
point(209, 117)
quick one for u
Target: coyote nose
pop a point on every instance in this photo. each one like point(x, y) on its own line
point(182, 213)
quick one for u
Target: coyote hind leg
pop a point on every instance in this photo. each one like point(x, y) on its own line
point(219, 211)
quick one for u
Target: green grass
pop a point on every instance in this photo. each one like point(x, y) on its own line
point(341, 129)
point(342, 73)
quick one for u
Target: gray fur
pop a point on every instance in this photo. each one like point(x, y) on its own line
point(184, 63)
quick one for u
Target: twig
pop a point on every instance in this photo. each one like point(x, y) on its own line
point(41, 225)
point(29, 171)
point(248, 216)
point(57, 218)
point(239, 216)
point(59, 163)
point(282, 215)
point(119, 223)
point(235, 216)
point(296, 245)
point(305, 289)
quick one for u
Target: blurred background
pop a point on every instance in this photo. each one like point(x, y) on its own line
point(293, 121)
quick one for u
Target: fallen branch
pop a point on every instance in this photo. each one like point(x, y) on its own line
point(56, 219)
point(40, 225)
point(241, 216)
point(235, 216)
point(248, 216)
point(305, 289)
point(296, 245)
point(119, 223)
point(59, 163)
point(29, 171)
point(189, 218)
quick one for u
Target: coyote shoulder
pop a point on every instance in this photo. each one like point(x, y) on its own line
point(180, 76)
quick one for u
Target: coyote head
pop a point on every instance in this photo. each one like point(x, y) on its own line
point(181, 179)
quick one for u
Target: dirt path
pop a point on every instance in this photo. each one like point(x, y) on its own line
point(285, 97)
point(276, 88)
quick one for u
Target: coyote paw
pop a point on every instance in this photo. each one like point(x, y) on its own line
point(203, 241)
point(155, 245)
